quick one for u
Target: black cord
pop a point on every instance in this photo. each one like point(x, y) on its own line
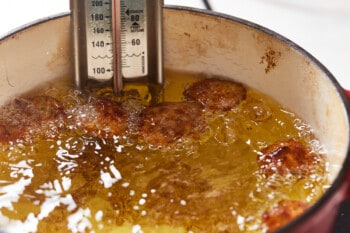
point(207, 5)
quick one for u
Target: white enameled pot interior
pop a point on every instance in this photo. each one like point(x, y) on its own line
point(198, 42)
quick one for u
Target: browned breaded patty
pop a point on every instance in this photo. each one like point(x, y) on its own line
point(284, 212)
point(285, 157)
point(216, 94)
point(101, 117)
point(30, 117)
point(167, 122)
point(41, 107)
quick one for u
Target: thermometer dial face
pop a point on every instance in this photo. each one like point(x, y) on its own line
point(117, 40)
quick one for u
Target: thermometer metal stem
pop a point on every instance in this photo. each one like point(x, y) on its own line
point(116, 41)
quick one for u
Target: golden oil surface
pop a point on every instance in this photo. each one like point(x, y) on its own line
point(78, 183)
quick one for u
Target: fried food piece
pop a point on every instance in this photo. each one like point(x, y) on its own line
point(284, 212)
point(29, 117)
point(41, 108)
point(216, 94)
point(286, 157)
point(168, 122)
point(101, 117)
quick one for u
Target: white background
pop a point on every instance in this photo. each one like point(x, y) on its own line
point(322, 27)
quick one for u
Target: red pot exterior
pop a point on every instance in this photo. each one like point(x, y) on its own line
point(347, 92)
point(348, 185)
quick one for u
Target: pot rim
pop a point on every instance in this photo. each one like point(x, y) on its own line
point(341, 177)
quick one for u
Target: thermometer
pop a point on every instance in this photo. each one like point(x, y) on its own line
point(117, 41)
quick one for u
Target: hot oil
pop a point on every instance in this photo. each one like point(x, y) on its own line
point(81, 183)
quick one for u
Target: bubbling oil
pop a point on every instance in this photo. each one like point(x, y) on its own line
point(80, 183)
